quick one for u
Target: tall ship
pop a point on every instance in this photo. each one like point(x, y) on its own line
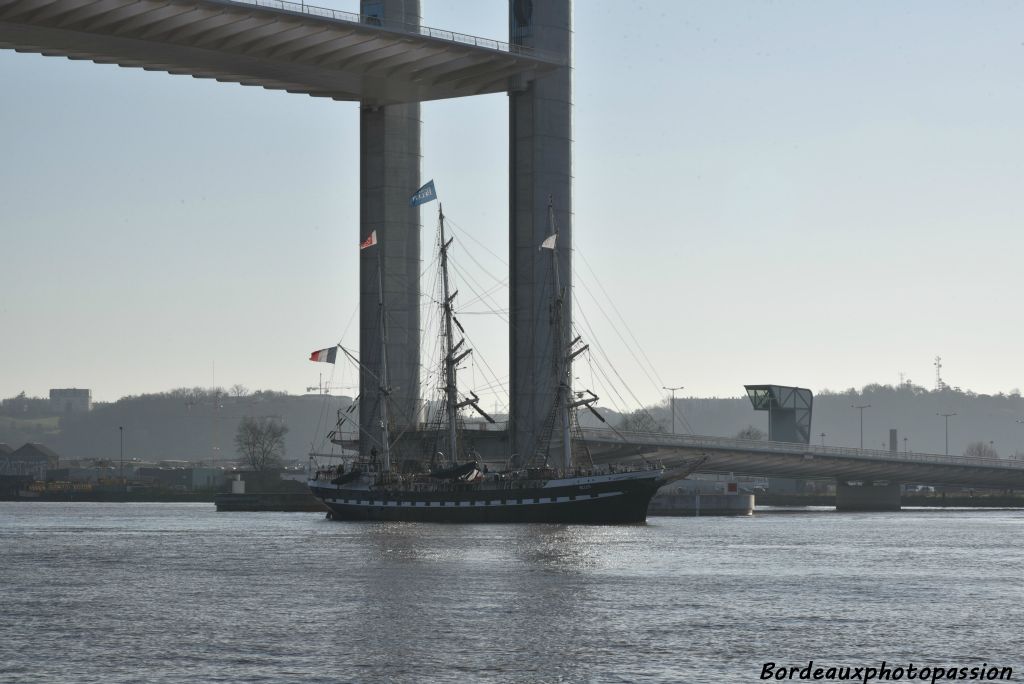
point(445, 484)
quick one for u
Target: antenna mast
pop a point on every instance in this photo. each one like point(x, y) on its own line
point(939, 384)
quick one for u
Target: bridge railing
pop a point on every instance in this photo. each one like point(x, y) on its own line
point(790, 448)
point(402, 27)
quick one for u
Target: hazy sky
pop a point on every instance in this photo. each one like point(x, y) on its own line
point(807, 193)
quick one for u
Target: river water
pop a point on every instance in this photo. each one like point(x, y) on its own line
point(179, 593)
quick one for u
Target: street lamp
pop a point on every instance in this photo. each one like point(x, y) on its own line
point(946, 416)
point(822, 439)
point(673, 391)
point(861, 409)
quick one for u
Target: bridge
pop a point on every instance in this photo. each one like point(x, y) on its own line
point(385, 59)
point(866, 479)
point(276, 45)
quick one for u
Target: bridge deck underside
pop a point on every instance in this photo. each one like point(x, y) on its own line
point(260, 46)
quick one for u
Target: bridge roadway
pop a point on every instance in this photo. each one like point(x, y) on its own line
point(274, 44)
point(806, 461)
point(759, 458)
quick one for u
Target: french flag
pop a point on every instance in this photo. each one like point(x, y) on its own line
point(325, 355)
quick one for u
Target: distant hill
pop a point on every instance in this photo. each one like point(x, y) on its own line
point(192, 424)
point(183, 424)
point(908, 408)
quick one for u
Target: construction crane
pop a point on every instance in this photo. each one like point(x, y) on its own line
point(322, 388)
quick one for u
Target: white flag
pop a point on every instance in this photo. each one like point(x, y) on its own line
point(549, 243)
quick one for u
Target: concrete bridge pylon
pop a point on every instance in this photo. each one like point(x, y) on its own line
point(389, 172)
point(867, 496)
point(540, 171)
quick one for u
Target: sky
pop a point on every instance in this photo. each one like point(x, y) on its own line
point(815, 194)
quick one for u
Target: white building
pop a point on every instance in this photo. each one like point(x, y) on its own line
point(71, 400)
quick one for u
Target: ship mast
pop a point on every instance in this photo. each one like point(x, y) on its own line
point(451, 392)
point(562, 358)
point(384, 390)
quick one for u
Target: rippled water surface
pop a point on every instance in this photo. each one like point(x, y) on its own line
point(178, 592)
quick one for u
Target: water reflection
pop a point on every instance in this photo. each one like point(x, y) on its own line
point(289, 597)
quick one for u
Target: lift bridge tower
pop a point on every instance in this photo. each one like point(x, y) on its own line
point(540, 175)
point(385, 59)
point(540, 172)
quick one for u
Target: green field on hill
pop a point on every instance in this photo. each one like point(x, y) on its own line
point(8, 423)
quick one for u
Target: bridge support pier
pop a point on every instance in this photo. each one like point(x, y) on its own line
point(540, 166)
point(867, 496)
point(389, 173)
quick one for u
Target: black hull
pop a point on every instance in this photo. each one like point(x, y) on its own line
point(606, 504)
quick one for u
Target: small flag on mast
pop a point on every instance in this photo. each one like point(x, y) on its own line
point(368, 242)
point(423, 195)
point(549, 243)
point(325, 355)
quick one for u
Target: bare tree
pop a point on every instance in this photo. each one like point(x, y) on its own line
point(640, 421)
point(750, 432)
point(981, 450)
point(238, 391)
point(260, 441)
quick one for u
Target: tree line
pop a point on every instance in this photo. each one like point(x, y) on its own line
point(201, 424)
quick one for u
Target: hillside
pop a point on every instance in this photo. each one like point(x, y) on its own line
point(184, 424)
point(910, 409)
point(195, 424)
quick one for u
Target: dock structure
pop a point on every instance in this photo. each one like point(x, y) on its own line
point(385, 59)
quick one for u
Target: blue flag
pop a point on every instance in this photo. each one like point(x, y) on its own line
point(423, 195)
